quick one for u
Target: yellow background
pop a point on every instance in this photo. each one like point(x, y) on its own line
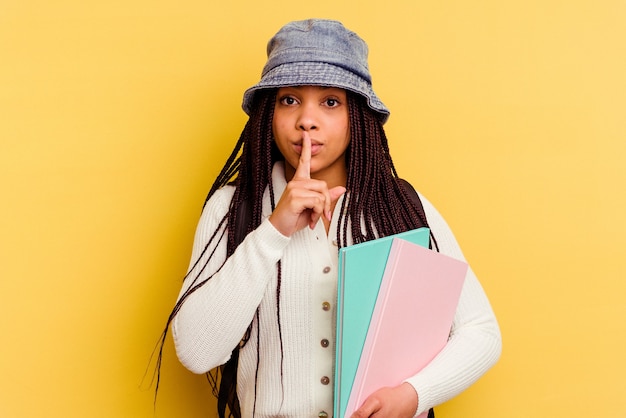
point(115, 116)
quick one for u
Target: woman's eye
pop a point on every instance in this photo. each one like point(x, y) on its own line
point(288, 100)
point(332, 102)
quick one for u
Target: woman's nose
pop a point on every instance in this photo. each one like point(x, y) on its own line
point(307, 120)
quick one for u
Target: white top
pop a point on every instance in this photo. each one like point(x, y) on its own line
point(214, 318)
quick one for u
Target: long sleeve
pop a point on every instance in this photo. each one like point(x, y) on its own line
point(475, 341)
point(213, 318)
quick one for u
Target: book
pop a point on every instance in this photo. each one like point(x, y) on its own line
point(412, 317)
point(361, 268)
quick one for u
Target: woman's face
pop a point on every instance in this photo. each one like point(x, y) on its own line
point(323, 112)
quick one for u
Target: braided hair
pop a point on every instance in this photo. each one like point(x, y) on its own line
point(376, 201)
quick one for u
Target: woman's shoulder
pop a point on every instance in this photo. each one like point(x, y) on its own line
point(433, 216)
point(441, 230)
point(219, 203)
point(224, 193)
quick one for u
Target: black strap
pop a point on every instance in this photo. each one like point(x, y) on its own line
point(410, 190)
point(244, 217)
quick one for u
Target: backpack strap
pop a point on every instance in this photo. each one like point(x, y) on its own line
point(410, 191)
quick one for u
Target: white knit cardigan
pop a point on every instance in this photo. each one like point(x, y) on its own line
point(243, 289)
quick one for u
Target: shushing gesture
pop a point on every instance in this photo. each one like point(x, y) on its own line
point(305, 200)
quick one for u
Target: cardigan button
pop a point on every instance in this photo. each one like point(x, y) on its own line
point(326, 306)
point(326, 270)
point(325, 380)
point(323, 414)
point(325, 343)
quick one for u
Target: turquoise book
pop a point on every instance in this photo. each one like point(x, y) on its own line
point(361, 269)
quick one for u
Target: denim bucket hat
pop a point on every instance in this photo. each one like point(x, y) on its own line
point(317, 52)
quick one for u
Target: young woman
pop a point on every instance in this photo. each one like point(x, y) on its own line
point(313, 172)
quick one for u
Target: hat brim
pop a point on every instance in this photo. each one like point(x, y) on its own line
point(315, 74)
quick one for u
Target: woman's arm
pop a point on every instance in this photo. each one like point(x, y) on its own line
point(474, 346)
point(214, 318)
point(475, 342)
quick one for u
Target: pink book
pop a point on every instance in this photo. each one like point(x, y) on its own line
point(412, 318)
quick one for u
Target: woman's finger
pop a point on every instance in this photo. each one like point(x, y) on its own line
point(303, 171)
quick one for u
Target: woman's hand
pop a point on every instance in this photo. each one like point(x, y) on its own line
point(304, 200)
point(398, 402)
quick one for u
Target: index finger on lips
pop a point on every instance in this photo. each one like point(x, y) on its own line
point(303, 171)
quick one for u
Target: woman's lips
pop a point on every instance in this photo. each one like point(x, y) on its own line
point(315, 148)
